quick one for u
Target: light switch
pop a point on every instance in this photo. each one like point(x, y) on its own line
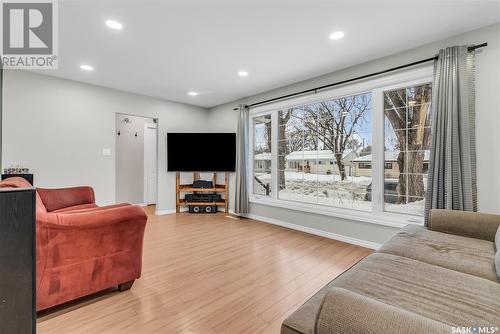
point(106, 152)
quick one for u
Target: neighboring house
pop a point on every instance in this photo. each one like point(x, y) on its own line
point(316, 162)
point(262, 162)
point(319, 162)
point(363, 164)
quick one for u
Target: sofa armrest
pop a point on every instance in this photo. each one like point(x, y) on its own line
point(344, 311)
point(468, 224)
point(55, 199)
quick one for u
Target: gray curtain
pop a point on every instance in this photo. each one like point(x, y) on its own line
point(452, 171)
point(241, 202)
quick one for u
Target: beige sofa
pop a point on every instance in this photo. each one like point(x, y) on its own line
point(420, 281)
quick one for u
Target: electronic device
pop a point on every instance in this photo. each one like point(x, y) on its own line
point(201, 152)
point(203, 198)
point(202, 184)
point(202, 208)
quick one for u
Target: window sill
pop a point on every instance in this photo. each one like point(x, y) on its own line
point(385, 219)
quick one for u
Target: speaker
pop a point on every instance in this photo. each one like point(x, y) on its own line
point(202, 208)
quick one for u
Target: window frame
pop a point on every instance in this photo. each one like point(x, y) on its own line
point(377, 86)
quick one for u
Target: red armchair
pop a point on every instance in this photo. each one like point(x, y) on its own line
point(82, 248)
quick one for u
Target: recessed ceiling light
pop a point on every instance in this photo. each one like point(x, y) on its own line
point(114, 24)
point(86, 67)
point(192, 93)
point(243, 73)
point(337, 35)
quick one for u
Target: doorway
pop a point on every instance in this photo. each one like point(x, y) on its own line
point(136, 159)
point(150, 163)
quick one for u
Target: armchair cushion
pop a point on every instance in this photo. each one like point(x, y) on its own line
point(88, 207)
point(75, 208)
point(56, 199)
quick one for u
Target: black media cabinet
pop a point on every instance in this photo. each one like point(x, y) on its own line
point(17, 261)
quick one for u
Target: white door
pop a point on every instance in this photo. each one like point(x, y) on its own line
point(150, 162)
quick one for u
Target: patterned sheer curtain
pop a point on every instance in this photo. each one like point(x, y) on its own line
point(241, 200)
point(452, 172)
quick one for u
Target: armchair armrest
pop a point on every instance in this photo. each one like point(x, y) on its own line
point(82, 252)
point(99, 217)
point(468, 224)
point(88, 236)
point(344, 311)
point(55, 199)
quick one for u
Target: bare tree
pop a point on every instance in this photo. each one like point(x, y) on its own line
point(408, 114)
point(267, 135)
point(334, 122)
point(283, 149)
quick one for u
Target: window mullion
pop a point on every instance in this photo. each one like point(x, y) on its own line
point(378, 151)
point(274, 155)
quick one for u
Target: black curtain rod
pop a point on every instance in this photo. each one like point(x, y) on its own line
point(314, 90)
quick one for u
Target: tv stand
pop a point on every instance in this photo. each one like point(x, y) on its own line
point(188, 188)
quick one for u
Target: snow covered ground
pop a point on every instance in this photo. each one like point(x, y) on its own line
point(331, 191)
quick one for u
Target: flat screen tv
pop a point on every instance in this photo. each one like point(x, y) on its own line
point(201, 152)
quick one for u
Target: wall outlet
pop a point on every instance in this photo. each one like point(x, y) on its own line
point(106, 152)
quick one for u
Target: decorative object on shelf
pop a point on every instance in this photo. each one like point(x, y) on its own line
point(17, 170)
point(202, 196)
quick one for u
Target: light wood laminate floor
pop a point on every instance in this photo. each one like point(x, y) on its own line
point(211, 274)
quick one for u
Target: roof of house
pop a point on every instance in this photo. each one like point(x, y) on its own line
point(389, 156)
point(306, 155)
point(262, 156)
point(316, 155)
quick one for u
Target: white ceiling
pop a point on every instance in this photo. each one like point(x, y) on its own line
point(167, 48)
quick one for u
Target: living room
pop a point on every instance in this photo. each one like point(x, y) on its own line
point(250, 167)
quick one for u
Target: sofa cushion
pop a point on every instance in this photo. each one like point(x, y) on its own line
point(302, 320)
point(445, 295)
point(346, 312)
point(467, 255)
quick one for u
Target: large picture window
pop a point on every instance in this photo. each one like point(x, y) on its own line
point(317, 148)
point(363, 148)
point(407, 113)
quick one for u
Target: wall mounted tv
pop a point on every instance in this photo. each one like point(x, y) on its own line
point(201, 152)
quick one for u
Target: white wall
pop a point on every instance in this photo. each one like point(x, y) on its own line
point(223, 118)
point(130, 158)
point(59, 127)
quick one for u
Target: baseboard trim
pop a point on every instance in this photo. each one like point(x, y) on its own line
point(321, 233)
point(164, 212)
point(169, 211)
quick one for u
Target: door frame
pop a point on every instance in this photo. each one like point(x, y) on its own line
point(145, 173)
